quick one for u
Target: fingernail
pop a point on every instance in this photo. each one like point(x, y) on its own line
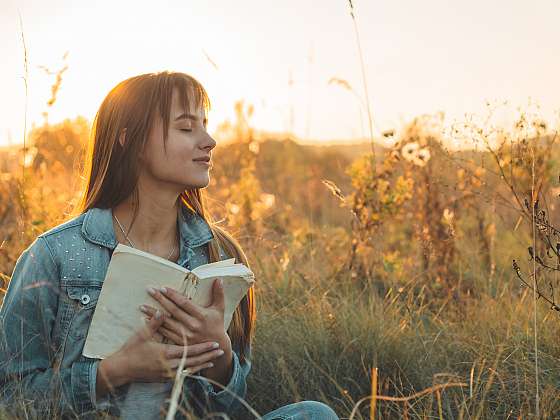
point(220, 282)
point(158, 315)
point(143, 308)
point(210, 364)
point(163, 290)
point(151, 291)
point(220, 352)
point(215, 345)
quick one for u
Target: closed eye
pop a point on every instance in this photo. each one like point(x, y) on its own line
point(186, 129)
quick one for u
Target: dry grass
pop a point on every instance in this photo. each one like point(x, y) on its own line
point(458, 349)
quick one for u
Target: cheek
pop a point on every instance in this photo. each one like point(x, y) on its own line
point(176, 162)
point(183, 153)
point(180, 154)
point(179, 144)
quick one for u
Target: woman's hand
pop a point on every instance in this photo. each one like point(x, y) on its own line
point(189, 321)
point(142, 358)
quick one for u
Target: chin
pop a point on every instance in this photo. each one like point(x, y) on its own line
point(199, 183)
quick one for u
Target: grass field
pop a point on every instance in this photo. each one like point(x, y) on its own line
point(403, 268)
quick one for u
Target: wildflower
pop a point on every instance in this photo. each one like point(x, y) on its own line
point(29, 156)
point(423, 154)
point(409, 151)
point(539, 123)
point(419, 157)
point(254, 147)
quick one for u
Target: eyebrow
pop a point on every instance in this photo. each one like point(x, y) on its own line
point(186, 116)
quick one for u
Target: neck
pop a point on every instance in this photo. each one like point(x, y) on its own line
point(154, 228)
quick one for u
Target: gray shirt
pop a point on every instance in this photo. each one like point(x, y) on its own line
point(145, 400)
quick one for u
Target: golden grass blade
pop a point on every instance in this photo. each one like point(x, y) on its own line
point(373, 393)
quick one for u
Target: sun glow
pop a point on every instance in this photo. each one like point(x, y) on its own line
point(282, 61)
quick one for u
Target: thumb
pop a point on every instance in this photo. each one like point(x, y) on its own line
point(153, 324)
point(218, 297)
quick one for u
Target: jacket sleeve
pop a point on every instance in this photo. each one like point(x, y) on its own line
point(27, 320)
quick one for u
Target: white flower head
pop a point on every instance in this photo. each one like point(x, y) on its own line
point(419, 162)
point(254, 147)
point(423, 154)
point(409, 151)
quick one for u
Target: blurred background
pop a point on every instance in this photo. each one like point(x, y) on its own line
point(420, 57)
point(391, 160)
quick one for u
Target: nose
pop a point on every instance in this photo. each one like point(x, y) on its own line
point(208, 144)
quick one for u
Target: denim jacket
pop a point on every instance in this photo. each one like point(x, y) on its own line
point(46, 313)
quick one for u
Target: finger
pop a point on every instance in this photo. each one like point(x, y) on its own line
point(183, 302)
point(176, 351)
point(191, 369)
point(169, 323)
point(175, 338)
point(149, 311)
point(152, 325)
point(178, 327)
point(218, 294)
point(170, 306)
point(190, 361)
point(158, 336)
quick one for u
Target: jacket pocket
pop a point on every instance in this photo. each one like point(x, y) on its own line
point(82, 298)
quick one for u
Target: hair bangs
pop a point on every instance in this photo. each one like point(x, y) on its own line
point(192, 96)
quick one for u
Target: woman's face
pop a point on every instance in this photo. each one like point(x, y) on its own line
point(187, 140)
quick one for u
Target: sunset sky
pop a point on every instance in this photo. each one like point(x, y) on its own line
point(420, 57)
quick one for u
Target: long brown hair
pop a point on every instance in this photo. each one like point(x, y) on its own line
point(111, 171)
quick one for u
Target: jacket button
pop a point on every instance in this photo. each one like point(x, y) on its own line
point(85, 299)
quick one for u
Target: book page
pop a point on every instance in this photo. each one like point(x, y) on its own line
point(222, 267)
point(222, 263)
point(237, 280)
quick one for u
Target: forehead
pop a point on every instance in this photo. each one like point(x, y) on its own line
point(184, 102)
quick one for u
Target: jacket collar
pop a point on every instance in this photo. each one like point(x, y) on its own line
point(98, 228)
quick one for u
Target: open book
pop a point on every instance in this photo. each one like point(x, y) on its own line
point(131, 271)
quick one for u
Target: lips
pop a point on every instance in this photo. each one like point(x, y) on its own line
point(202, 159)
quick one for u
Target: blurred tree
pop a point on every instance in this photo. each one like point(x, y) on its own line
point(60, 146)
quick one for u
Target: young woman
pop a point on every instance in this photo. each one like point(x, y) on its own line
point(147, 163)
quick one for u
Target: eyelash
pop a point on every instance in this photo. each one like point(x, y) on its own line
point(188, 130)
